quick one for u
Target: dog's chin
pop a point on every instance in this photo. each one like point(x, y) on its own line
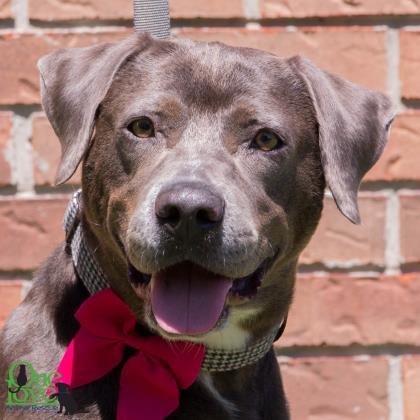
point(186, 300)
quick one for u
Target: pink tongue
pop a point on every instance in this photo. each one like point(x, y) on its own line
point(187, 299)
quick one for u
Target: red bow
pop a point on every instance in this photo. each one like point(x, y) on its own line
point(150, 379)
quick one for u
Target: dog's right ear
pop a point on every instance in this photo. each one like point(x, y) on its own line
point(353, 127)
point(74, 81)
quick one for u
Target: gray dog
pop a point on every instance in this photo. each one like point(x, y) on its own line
point(204, 168)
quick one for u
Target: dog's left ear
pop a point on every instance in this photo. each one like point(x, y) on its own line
point(353, 124)
point(74, 81)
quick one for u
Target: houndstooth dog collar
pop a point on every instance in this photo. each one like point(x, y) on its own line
point(215, 360)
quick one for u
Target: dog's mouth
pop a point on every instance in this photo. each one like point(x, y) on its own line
point(189, 300)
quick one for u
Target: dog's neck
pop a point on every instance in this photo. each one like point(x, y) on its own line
point(220, 355)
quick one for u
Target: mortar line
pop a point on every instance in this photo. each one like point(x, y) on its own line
point(20, 12)
point(393, 65)
point(178, 25)
point(319, 350)
point(392, 220)
point(251, 9)
point(251, 13)
point(21, 156)
point(392, 234)
point(32, 30)
point(395, 389)
point(26, 286)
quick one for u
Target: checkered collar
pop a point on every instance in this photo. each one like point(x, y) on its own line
point(92, 276)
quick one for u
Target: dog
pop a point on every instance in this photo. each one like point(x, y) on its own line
point(66, 402)
point(204, 170)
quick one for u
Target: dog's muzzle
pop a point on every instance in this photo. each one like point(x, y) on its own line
point(92, 276)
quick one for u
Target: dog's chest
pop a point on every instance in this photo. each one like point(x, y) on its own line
point(207, 382)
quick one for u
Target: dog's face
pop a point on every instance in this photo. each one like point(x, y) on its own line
point(204, 171)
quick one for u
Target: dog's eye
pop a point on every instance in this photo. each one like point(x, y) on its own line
point(266, 141)
point(143, 128)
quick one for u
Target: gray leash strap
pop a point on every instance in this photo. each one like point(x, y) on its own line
point(152, 16)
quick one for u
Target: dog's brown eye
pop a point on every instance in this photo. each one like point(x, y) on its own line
point(143, 128)
point(266, 140)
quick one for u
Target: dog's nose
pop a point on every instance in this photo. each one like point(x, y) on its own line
point(189, 209)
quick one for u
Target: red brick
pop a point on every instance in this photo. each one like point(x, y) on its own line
point(5, 148)
point(336, 388)
point(332, 8)
point(339, 310)
point(51, 10)
point(19, 82)
point(410, 64)
point(399, 161)
point(46, 152)
point(10, 297)
point(411, 383)
point(337, 241)
point(206, 9)
point(5, 9)
point(361, 52)
point(410, 226)
point(30, 229)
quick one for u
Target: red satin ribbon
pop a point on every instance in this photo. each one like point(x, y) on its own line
point(150, 379)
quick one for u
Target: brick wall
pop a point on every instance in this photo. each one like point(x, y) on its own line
point(352, 345)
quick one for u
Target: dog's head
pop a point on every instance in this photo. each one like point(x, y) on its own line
point(204, 172)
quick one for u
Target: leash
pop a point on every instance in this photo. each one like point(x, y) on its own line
point(152, 16)
point(94, 279)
